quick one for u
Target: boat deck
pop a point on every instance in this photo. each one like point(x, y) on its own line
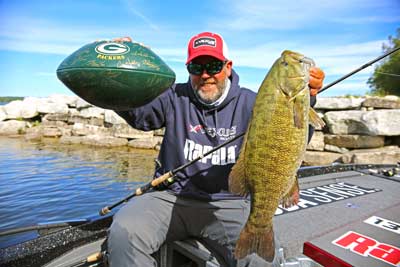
point(334, 201)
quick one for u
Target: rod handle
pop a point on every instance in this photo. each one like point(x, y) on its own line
point(94, 257)
point(161, 179)
point(104, 211)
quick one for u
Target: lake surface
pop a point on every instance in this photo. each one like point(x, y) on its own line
point(41, 182)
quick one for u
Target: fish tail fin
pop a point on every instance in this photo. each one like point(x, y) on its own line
point(258, 241)
point(292, 197)
point(315, 120)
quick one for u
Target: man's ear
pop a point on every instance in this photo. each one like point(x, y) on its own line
point(228, 66)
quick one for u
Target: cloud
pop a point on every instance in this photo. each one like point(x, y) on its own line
point(334, 59)
point(285, 15)
point(28, 34)
point(133, 8)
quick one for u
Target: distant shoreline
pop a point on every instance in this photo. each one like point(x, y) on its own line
point(6, 99)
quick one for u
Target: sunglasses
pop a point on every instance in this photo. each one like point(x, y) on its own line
point(211, 68)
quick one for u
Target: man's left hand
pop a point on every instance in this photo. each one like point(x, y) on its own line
point(316, 80)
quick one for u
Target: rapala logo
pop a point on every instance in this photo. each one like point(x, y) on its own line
point(113, 49)
point(222, 156)
point(369, 247)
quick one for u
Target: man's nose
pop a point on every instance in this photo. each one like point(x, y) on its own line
point(205, 74)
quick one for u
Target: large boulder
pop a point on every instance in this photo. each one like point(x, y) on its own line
point(376, 122)
point(69, 100)
point(317, 158)
point(18, 109)
point(355, 141)
point(112, 117)
point(92, 112)
point(389, 102)
point(336, 149)
point(125, 131)
point(316, 142)
point(12, 127)
point(3, 115)
point(80, 129)
point(48, 105)
point(384, 155)
point(80, 104)
point(56, 117)
point(338, 103)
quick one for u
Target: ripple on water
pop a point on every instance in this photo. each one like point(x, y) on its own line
point(44, 182)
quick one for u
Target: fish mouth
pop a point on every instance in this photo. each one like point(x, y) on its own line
point(307, 61)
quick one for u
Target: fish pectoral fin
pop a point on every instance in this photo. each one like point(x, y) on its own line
point(298, 114)
point(314, 119)
point(260, 241)
point(292, 197)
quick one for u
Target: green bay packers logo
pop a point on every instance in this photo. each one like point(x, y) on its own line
point(112, 49)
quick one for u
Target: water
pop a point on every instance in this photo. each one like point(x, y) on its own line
point(41, 182)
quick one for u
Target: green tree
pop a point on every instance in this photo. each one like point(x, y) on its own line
point(386, 77)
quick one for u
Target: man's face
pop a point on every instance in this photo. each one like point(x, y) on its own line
point(210, 87)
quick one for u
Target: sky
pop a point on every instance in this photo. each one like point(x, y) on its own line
point(340, 35)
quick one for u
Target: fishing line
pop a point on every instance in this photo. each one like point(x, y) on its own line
point(388, 74)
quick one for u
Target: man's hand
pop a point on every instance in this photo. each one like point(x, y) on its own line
point(128, 39)
point(316, 80)
point(122, 39)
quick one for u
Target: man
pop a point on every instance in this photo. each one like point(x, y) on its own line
point(198, 115)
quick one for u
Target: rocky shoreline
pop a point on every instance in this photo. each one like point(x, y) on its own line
point(358, 130)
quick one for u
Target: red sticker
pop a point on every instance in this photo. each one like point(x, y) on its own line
point(367, 246)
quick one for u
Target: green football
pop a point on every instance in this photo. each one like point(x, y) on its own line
point(115, 75)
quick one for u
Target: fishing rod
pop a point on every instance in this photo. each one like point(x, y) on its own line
point(169, 176)
point(359, 69)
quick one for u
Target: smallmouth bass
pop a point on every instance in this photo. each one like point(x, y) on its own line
point(273, 149)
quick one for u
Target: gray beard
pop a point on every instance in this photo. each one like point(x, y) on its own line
point(210, 100)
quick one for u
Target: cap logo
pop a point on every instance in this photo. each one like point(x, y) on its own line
point(207, 41)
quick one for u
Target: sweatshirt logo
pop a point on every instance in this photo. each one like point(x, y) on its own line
point(223, 156)
point(224, 134)
point(196, 129)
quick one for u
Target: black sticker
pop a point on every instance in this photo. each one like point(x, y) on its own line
point(325, 194)
point(205, 41)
